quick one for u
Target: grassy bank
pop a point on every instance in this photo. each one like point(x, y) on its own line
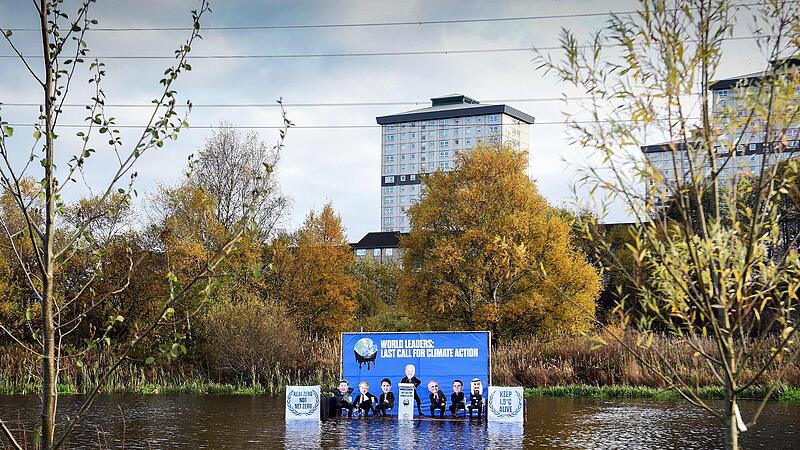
point(783, 393)
point(565, 366)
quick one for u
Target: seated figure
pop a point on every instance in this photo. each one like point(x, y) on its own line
point(475, 398)
point(437, 398)
point(386, 400)
point(457, 398)
point(365, 402)
point(342, 399)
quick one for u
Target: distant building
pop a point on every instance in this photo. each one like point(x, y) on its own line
point(735, 157)
point(419, 142)
point(381, 246)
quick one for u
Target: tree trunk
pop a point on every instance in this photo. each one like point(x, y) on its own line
point(730, 425)
point(49, 369)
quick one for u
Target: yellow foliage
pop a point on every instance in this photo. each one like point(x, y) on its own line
point(311, 274)
point(487, 252)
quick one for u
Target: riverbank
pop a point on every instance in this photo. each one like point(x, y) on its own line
point(782, 393)
point(786, 394)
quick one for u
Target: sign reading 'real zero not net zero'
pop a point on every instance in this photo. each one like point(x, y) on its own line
point(302, 402)
point(440, 356)
point(505, 404)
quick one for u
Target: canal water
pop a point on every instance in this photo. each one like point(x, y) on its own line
point(231, 422)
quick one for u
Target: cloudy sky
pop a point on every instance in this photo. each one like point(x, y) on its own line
point(318, 164)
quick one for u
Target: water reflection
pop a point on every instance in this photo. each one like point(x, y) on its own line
point(217, 422)
point(302, 434)
point(505, 435)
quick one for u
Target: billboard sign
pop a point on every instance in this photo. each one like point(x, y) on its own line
point(440, 356)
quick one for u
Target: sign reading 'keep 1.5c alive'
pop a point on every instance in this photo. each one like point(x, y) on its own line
point(435, 356)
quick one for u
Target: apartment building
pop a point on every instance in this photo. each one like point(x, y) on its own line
point(419, 142)
point(740, 150)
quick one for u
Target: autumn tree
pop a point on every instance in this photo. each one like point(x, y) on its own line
point(708, 264)
point(376, 299)
point(483, 241)
point(311, 274)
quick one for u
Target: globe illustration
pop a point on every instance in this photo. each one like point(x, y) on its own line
point(365, 351)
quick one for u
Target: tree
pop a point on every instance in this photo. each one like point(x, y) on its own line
point(707, 264)
point(378, 284)
point(230, 166)
point(311, 274)
point(65, 299)
point(482, 243)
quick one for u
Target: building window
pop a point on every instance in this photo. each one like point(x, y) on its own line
point(752, 147)
point(361, 252)
point(390, 138)
point(390, 128)
point(444, 144)
point(389, 159)
point(722, 103)
point(413, 177)
point(494, 118)
point(468, 130)
point(444, 133)
point(388, 200)
point(477, 130)
point(402, 178)
point(388, 221)
point(468, 120)
point(388, 169)
point(388, 179)
point(444, 154)
point(494, 129)
point(388, 211)
point(389, 251)
point(376, 252)
point(723, 93)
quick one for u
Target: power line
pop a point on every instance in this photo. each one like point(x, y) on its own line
point(299, 105)
point(338, 127)
point(354, 54)
point(374, 24)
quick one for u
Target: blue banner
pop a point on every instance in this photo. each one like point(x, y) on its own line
point(440, 356)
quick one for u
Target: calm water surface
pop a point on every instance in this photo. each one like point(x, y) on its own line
point(223, 422)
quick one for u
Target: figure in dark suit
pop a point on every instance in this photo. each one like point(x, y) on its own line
point(386, 400)
point(365, 402)
point(457, 400)
point(437, 398)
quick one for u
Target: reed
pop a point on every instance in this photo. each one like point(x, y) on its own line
point(570, 361)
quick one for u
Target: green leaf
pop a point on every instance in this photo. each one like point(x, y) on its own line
point(7, 131)
point(37, 134)
point(149, 360)
point(79, 363)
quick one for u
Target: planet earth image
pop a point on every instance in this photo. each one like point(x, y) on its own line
point(366, 351)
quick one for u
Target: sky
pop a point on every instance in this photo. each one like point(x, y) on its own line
point(341, 166)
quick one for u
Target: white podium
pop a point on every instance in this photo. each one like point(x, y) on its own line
point(405, 401)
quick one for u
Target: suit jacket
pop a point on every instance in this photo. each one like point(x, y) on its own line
point(438, 400)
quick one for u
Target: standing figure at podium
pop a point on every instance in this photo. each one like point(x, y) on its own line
point(411, 378)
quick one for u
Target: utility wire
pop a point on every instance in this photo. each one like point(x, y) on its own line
point(298, 105)
point(377, 24)
point(355, 54)
point(338, 127)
